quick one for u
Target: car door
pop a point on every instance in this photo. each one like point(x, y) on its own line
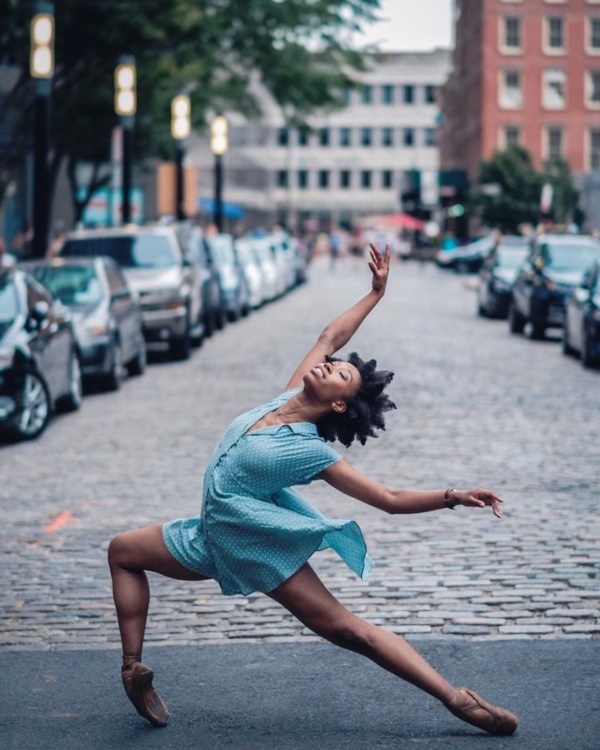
point(50, 340)
point(123, 310)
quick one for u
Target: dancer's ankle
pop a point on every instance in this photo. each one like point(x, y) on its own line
point(130, 659)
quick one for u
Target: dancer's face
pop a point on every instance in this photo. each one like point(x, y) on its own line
point(333, 382)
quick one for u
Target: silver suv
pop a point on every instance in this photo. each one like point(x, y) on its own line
point(161, 274)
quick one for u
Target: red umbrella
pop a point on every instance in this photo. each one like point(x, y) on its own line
point(395, 221)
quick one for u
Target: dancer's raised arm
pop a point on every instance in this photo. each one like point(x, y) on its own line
point(338, 333)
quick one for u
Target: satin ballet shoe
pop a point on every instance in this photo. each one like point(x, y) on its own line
point(483, 715)
point(137, 681)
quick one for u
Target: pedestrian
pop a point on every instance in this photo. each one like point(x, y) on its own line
point(255, 533)
point(7, 260)
point(335, 247)
point(59, 236)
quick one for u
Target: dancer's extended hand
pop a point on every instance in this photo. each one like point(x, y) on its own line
point(479, 499)
point(380, 267)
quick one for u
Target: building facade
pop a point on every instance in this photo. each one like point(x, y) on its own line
point(349, 163)
point(524, 72)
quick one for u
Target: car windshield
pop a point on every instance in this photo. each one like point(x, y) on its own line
point(73, 285)
point(222, 249)
point(141, 251)
point(9, 300)
point(509, 256)
point(575, 257)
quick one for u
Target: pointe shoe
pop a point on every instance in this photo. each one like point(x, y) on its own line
point(483, 715)
point(137, 681)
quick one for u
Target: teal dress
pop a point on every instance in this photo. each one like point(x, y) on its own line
point(254, 531)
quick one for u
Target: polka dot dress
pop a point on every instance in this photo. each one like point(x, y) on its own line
point(254, 531)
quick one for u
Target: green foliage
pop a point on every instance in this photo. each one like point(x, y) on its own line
point(520, 189)
point(209, 48)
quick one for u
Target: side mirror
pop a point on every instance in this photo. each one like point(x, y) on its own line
point(38, 315)
point(581, 294)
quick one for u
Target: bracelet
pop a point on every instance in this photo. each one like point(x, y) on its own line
point(448, 501)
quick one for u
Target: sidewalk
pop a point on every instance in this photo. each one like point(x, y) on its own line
point(300, 697)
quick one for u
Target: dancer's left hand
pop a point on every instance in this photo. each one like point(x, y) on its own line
point(380, 267)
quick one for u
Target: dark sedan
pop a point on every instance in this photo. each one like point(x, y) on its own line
point(39, 361)
point(468, 258)
point(106, 316)
point(545, 280)
point(497, 276)
point(581, 331)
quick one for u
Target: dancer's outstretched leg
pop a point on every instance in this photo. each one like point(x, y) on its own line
point(306, 598)
point(129, 555)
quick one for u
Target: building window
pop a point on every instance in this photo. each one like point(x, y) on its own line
point(430, 137)
point(387, 137)
point(592, 89)
point(510, 94)
point(346, 95)
point(366, 136)
point(345, 137)
point(593, 35)
point(594, 147)
point(387, 179)
point(511, 136)
point(345, 180)
point(554, 143)
point(324, 137)
point(282, 178)
point(430, 93)
point(302, 179)
point(365, 178)
point(323, 179)
point(408, 94)
point(554, 89)
point(408, 136)
point(554, 40)
point(387, 94)
point(511, 33)
point(367, 94)
point(283, 136)
point(303, 137)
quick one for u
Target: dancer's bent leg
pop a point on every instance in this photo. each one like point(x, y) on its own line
point(129, 555)
point(305, 596)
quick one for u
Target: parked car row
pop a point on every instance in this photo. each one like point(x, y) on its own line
point(93, 311)
point(554, 283)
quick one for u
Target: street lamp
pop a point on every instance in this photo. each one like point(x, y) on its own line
point(125, 107)
point(41, 67)
point(180, 130)
point(218, 145)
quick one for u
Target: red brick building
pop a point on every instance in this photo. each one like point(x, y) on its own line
point(527, 72)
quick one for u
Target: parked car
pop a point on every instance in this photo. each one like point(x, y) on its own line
point(252, 272)
point(467, 258)
point(554, 268)
point(39, 360)
point(264, 256)
point(234, 291)
point(160, 273)
point(105, 314)
point(497, 276)
point(194, 240)
point(581, 331)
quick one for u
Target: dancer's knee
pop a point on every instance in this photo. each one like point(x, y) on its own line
point(348, 632)
point(117, 550)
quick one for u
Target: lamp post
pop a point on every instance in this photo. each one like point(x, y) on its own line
point(125, 107)
point(41, 67)
point(180, 130)
point(218, 145)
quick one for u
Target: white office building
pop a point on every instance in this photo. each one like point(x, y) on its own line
point(353, 162)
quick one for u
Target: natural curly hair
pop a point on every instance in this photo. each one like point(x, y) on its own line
point(364, 412)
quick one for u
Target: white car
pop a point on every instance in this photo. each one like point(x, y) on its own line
point(252, 271)
point(270, 274)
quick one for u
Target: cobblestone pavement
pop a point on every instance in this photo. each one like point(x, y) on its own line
point(476, 407)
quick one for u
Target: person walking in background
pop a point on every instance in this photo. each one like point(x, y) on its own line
point(255, 533)
point(58, 240)
point(6, 259)
point(335, 247)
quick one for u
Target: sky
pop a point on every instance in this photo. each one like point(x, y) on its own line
point(411, 25)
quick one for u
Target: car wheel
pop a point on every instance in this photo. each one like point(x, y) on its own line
point(36, 410)
point(137, 366)
point(481, 311)
point(181, 348)
point(114, 379)
point(537, 332)
point(210, 323)
point(516, 321)
point(221, 319)
point(71, 401)
point(587, 359)
point(567, 349)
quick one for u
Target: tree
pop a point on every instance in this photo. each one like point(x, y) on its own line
point(518, 190)
point(211, 48)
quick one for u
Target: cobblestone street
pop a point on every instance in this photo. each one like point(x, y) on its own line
point(476, 407)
